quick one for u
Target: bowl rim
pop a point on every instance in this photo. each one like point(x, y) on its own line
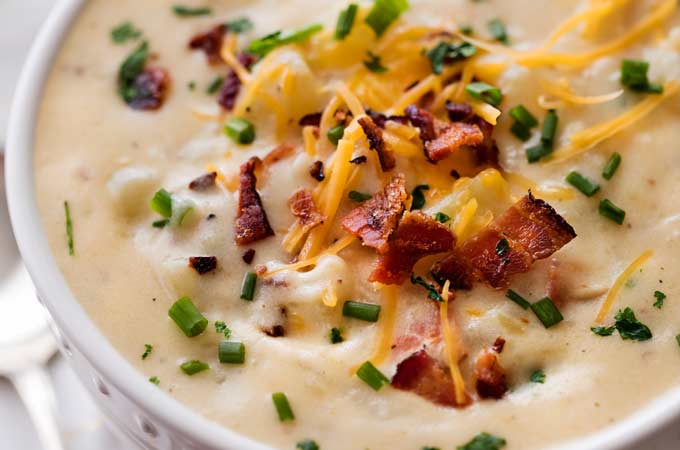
point(85, 336)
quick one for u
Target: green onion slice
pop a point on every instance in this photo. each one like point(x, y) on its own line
point(162, 203)
point(240, 130)
point(523, 116)
point(520, 131)
point(547, 312)
point(346, 21)
point(240, 25)
point(441, 217)
point(611, 166)
point(418, 196)
point(582, 183)
point(549, 127)
point(498, 31)
point(515, 297)
point(634, 76)
point(214, 86)
point(307, 444)
point(485, 93)
point(611, 211)
point(193, 367)
point(231, 352)
point(383, 13)
point(248, 286)
point(69, 229)
point(538, 152)
point(186, 11)
point(282, 406)
point(370, 375)
point(358, 197)
point(362, 311)
point(268, 43)
point(335, 134)
point(187, 317)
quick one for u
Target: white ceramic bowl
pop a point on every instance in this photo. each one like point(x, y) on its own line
point(133, 405)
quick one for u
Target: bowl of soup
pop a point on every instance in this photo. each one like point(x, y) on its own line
point(378, 224)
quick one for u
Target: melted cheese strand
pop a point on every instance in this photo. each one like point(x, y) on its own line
point(452, 344)
point(618, 284)
point(227, 55)
point(388, 317)
point(586, 139)
point(562, 90)
point(350, 99)
point(309, 139)
point(334, 249)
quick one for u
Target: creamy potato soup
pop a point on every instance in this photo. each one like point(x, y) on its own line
point(393, 225)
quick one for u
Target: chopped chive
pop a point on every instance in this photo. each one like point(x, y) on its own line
point(520, 131)
point(660, 297)
point(162, 203)
point(485, 93)
point(447, 53)
point(370, 375)
point(124, 32)
point(538, 152)
point(222, 328)
point(148, 348)
point(187, 317)
point(248, 286)
point(611, 211)
point(515, 297)
point(634, 76)
point(186, 11)
point(162, 223)
point(193, 367)
point(383, 13)
point(611, 166)
point(547, 312)
point(307, 445)
point(214, 86)
point(358, 197)
point(282, 406)
point(441, 217)
point(582, 183)
point(69, 229)
point(268, 43)
point(362, 311)
point(335, 134)
point(154, 380)
point(231, 352)
point(603, 331)
point(346, 21)
point(374, 64)
point(538, 376)
point(498, 31)
point(522, 115)
point(677, 339)
point(418, 196)
point(432, 291)
point(336, 336)
point(549, 127)
point(240, 25)
point(467, 30)
point(240, 130)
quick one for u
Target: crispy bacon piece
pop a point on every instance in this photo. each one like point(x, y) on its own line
point(498, 345)
point(458, 112)
point(210, 43)
point(251, 220)
point(417, 236)
point(204, 182)
point(274, 331)
point(381, 119)
point(203, 264)
point(422, 375)
point(232, 83)
point(376, 219)
point(150, 88)
point(532, 229)
point(248, 256)
point(313, 119)
point(277, 154)
point(486, 153)
point(377, 143)
point(490, 375)
point(302, 206)
point(441, 139)
point(316, 171)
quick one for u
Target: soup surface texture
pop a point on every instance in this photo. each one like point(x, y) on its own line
point(409, 136)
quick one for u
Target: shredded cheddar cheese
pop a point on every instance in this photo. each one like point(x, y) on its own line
point(334, 249)
point(388, 317)
point(453, 347)
point(560, 89)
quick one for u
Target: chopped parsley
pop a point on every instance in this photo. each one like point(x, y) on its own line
point(634, 76)
point(538, 376)
point(336, 336)
point(240, 25)
point(185, 11)
point(271, 41)
point(69, 229)
point(441, 217)
point(660, 297)
point(214, 86)
point(628, 326)
point(307, 445)
point(346, 21)
point(124, 32)
point(154, 380)
point(358, 197)
point(418, 196)
point(432, 291)
point(374, 64)
point(498, 31)
point(447, 53)
point(130, 70)
point(222, 328)
point(148, 348)
point(383, 13)
point(484, 441)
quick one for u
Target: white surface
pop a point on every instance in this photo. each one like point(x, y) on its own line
point(80, 422)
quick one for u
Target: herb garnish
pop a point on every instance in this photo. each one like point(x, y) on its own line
point(545, 147)
point(282, 406)
point(373, 377)
point(484, 441)
point(442, 217)
point(611, 211)
point(346, 21)
point(130, 70)
point(484, 92)
point(268, 43)
point(335, 134)
point(185, 11)
point(447, 52)
point(148, 348)
point(358, 197)
point(383, 13)
point(154, 380)
point(498, 31)
point(433, 292)
point(611, 166)
point(634, 76)
point(214, 86)
point(677, 339)
point(69, 229)
point(240, 25)
point(524, 121)
point(374, 64)
point(547, 312)
point(418, 196)
point(538, 376)
point(660, 297)
point(430, 448)
point(502, 247)
point(222, 328)
point(124, 32)
point(515, 297)
point(584, 184)
point(336, 336)
point(193, 367)
point(628, 326)
point(362, 311)
point(307, 445)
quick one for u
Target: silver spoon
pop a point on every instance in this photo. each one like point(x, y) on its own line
point(26, 344)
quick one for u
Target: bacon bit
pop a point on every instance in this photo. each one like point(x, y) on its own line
point(342, 116)
point(210, 43)
point(381, 119)
point(203, 264)
point(417, 236)
point(204, 182)
point(423, 120)
point(251, 221)
point(232, 83)
point(424, 376)
point(485, 153)
point(248, 256)
point(533, 230)
point(150, 87)
point(277, 154)
point(458, 112)
point(316, 171)
point(274, 331)
point(313, 119)
point(302, 206)
point(490, 375)
point(374, 221)
point(377, 143)
point(454, 174)
point(498, 345)
point(358, 160)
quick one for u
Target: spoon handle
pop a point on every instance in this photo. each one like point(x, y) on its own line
point(34, 386)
